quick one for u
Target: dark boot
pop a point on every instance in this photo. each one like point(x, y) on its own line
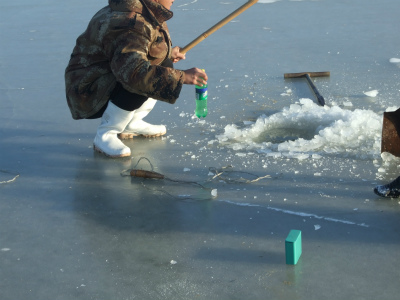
point(391, 190)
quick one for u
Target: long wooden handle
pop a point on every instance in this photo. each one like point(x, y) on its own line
point(218, 26)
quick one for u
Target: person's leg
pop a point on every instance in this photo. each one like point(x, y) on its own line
point(141, 107)
point(139, 127)
point(390, 190)
point(123, 117)
point(125, 99)
point(113, 122)
point(115, 116)
point(122, 99)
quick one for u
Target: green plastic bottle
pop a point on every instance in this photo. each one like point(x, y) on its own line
point(201, 101)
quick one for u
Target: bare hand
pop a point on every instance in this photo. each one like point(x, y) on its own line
point(176, 55)
point(195, 76)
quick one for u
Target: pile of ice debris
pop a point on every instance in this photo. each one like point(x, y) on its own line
point(305, 129)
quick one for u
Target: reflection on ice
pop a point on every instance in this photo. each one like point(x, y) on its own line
point(307, 128)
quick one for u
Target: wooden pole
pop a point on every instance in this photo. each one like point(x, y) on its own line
point(218, 26)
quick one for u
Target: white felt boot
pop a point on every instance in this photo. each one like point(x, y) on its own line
point(113, 122)
point(139, 127)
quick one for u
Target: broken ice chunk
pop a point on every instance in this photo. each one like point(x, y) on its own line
point(240, 154)
point(248, 122)
point(372, 93)
point(214, 193)
point(287, 93)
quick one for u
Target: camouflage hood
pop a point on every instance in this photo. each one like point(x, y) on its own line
point(156, 10)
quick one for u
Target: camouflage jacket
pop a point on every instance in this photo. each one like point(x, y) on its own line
point(124, 42)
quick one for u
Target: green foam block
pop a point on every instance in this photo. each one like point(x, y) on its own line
point(293, 247)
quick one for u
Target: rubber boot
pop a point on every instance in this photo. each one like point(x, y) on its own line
point(113, 122)
point(391, 190)
point(139, 127)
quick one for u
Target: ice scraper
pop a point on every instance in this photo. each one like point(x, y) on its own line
point(307, 76)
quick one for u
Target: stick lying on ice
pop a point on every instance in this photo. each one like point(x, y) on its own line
point(146, 174)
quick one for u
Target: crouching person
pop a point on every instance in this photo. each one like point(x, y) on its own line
point(120, 66)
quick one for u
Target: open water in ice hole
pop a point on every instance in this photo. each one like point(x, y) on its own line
point(280, 135)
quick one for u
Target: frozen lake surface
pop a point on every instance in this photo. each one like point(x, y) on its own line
point(266, 160)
